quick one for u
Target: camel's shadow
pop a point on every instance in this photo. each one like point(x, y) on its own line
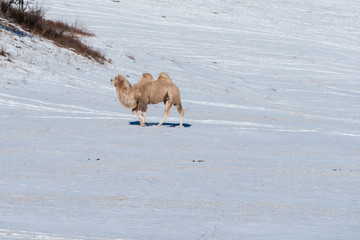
point(149, 124)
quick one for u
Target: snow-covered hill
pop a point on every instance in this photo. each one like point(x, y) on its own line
point(271, 147)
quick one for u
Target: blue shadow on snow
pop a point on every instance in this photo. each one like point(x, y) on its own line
point(149, 124)
point(15, 31)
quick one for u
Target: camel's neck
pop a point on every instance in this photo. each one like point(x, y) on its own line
point(126, 98)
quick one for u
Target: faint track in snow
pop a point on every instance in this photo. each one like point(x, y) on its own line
point(78, 112)
point(66, 111)
point(273, 109)
point(225, 105)
point(17, 234)
point(12, 102)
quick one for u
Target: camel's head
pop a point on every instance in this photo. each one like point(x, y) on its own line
point(120, 81)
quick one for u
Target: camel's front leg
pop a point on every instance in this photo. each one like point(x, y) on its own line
point(143, 108)
point(135, 112)
point(143, 114)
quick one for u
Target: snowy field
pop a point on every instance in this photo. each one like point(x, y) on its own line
point(271, 143)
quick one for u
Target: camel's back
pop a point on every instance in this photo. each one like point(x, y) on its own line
point(146, 78)
point(159, 90)
point(156, 92)
point(165, 88)
point(140, 87)
point(164, 78)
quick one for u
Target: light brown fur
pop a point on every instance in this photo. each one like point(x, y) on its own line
point(148, 91)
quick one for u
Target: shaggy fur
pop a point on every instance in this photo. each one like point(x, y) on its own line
point(148, 91)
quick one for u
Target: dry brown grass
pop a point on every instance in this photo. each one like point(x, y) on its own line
point(64, 27)
point(60, 33)
point(3, 53)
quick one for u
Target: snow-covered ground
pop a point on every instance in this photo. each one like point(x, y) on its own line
point(271, 145)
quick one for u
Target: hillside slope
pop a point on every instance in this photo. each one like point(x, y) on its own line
point(271, 147)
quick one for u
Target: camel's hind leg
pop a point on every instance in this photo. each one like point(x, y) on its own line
point(167, 112)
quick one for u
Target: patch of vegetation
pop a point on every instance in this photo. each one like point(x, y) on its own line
point(60, 33)
point(3, 53)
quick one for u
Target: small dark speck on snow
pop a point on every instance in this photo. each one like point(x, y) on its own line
point(198, 161)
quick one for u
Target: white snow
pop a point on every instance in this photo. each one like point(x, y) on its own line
point(271, 143)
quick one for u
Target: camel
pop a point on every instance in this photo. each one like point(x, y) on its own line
point(148, 91)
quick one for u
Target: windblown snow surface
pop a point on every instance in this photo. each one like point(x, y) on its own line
point(271, 143)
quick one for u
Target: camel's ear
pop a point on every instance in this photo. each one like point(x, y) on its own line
point(119, 78)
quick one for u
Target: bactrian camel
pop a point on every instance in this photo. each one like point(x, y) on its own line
point(148, 91)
